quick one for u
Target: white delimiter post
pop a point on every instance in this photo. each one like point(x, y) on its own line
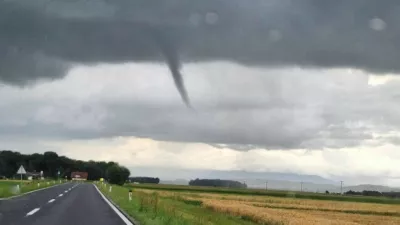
point(110, 188)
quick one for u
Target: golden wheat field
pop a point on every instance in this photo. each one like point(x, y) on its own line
point(292, 211)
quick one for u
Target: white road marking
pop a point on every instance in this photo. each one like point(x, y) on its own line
point(65, 191)
point(32, 212)
point(123, 218)
point(60, 195)
point(51, 200)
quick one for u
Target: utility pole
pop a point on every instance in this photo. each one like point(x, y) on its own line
point(266, 185)
point(301, 186)
point(341, 187)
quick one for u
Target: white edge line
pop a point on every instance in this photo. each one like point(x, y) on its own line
point(29, 192)
point(126, 221)
point(32, 212)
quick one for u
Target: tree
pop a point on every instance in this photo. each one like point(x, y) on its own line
point(94, 171)
point(10, 162)
point(145, 180)
point(117, 174)
point(50, 160)
point(125, 173)
point(217, 183)
point(50, 163)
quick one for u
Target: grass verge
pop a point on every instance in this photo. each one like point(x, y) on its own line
point(9, 188)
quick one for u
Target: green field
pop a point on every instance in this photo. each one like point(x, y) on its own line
point(173, 204)
point(9, 188)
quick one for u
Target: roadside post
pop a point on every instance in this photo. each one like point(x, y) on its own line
point(130, 194)
point(110, 188)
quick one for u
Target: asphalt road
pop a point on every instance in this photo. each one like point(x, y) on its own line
point(67, 204)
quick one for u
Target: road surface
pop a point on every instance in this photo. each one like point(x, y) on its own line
point(66, 204)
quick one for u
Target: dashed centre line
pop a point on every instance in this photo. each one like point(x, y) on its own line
point(32, 212)
point(50, 201)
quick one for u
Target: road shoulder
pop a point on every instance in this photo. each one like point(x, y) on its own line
point(124, 216)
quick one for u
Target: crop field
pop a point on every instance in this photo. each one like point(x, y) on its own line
point(168, 204)
point(9, 187)
point(272, 193)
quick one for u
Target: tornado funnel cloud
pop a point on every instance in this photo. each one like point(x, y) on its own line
point(171, 55)
point(178, 79)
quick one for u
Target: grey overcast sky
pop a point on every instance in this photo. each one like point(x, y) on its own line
point(304, 86)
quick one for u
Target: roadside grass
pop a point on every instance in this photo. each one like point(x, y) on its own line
point(9, 188)
point(154, 209)
point(272, 193)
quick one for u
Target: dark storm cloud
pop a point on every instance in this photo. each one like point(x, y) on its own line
point(28, 32)
point(313, 33)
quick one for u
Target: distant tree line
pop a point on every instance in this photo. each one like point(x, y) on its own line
point(144, 180)
point(217, 183)
point(50, 163)
point(332, 193)
point(374, 193)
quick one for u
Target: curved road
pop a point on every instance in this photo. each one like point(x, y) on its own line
point(66, 204)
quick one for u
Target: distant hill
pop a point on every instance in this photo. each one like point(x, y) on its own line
point(264, 176)
point(290, 185)
point(312, 187)
point(171, 174)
